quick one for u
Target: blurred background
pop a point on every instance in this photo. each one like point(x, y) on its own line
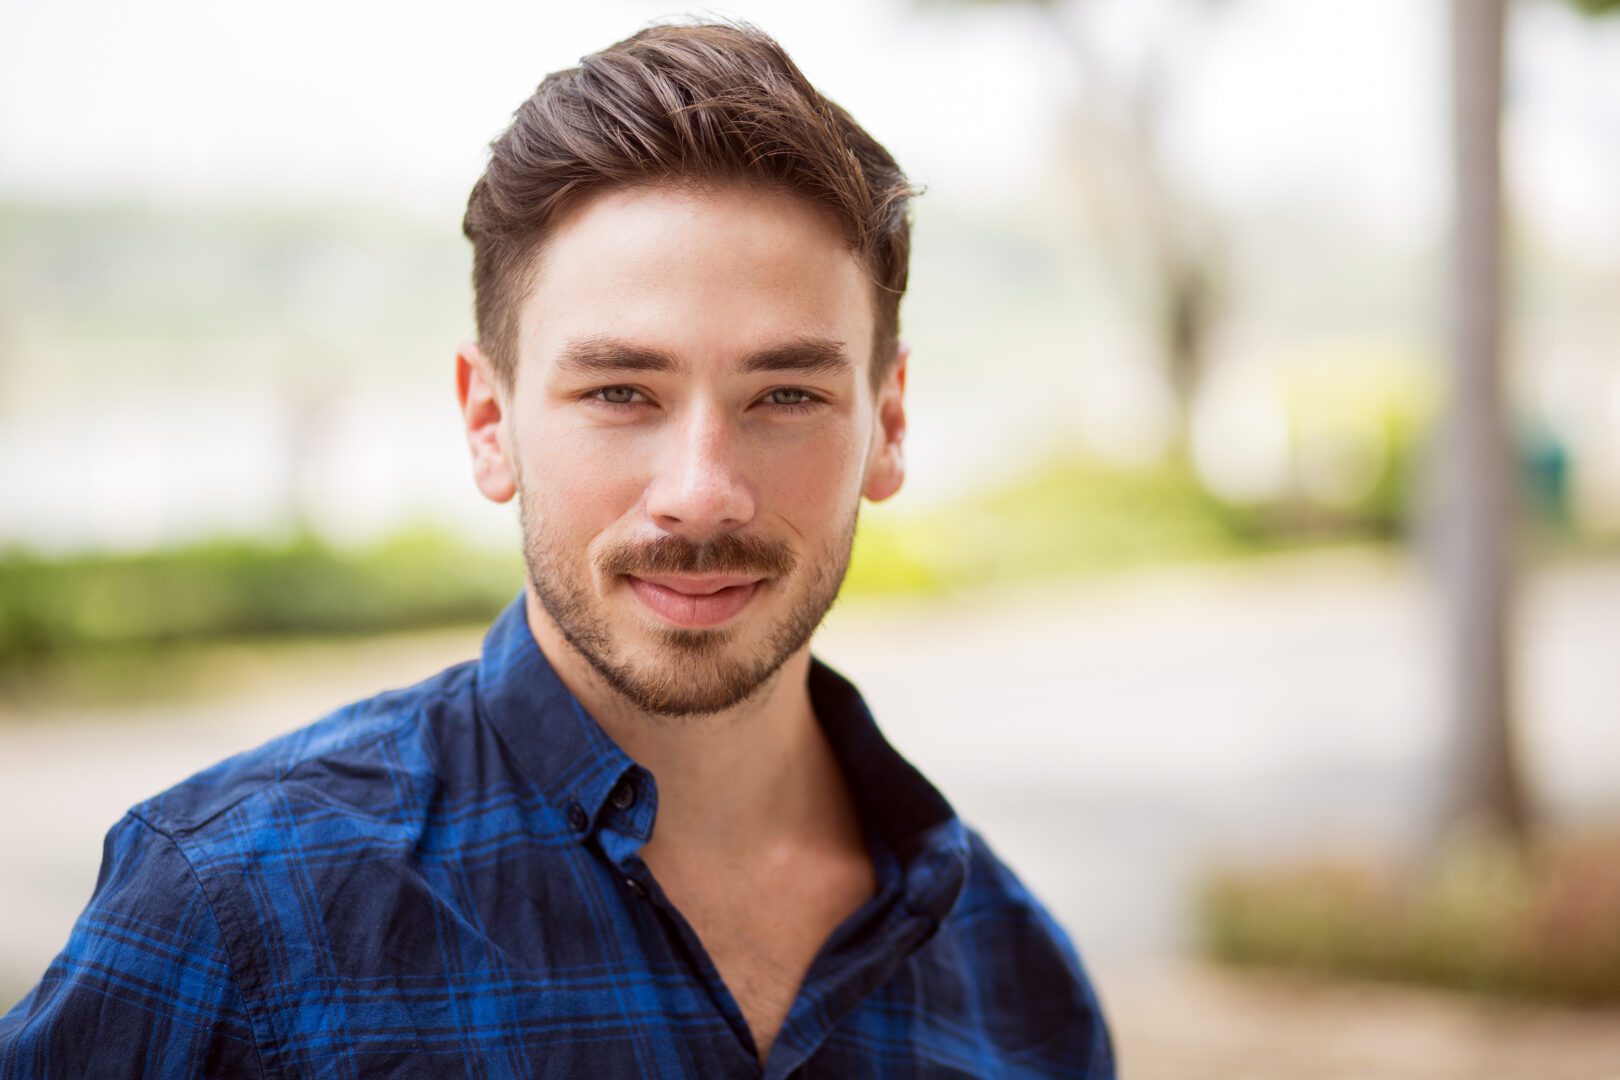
point(1264, 502)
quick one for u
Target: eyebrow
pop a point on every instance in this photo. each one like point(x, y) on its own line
point(609, 356)
point(806, 356)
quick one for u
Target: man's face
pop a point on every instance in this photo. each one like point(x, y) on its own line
point(689, 432)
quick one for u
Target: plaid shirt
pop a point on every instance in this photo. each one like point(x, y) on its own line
point(443, 881)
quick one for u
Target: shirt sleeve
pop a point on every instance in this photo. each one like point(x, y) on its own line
point(144, 986)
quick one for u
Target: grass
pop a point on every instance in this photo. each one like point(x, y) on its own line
point(1542, 921)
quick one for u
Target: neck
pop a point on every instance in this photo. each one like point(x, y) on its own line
point(730, 783)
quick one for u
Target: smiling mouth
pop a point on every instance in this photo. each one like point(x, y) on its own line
point(695, 602)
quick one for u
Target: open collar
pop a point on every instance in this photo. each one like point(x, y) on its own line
point(575, 764)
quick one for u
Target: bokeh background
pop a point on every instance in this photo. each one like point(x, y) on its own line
point(1167, 606)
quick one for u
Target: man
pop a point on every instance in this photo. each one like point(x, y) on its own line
point(645, 833)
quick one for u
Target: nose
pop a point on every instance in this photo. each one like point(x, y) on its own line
point(699, 489)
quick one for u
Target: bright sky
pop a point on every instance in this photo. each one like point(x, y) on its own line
point(390, 100)
point(393, 101)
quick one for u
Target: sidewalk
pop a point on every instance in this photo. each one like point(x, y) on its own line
point(1183, 1022)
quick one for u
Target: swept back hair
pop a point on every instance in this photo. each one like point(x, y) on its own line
point(691, 103)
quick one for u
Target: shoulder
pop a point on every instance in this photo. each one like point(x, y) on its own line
point(995, 902)
point(364, 756)
point(993, 890)
point(1004, 934)
point(144, 984)
point(995, 897)
point(210, 889)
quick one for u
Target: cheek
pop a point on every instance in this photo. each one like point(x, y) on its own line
point(813, 484)
point(580, 485)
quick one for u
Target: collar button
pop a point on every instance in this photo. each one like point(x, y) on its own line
point(624, 795)
point(577, 818)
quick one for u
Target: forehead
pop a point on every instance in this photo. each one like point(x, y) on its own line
point(706, 274)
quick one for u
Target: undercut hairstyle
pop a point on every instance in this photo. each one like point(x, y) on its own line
point(701, 105)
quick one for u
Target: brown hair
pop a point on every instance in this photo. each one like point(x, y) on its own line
point(689, 103)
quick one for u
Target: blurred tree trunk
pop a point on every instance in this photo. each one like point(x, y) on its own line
point(1483, 787)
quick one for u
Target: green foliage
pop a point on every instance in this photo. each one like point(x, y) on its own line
point(1597, 7)
point(240, 589)
point(1069, 516)
point(1486, 917)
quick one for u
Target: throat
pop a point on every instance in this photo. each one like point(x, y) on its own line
point(762, 920)
point(733, 784)
point(764, 862)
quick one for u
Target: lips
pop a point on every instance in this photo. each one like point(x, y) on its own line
point(697, 601)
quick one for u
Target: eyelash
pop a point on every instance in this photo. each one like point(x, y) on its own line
point(809, 402)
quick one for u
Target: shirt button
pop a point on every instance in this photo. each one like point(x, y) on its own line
point(624, 796)
point(577, 819)
point(636, 887)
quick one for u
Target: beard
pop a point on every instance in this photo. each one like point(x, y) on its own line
point(691, 672)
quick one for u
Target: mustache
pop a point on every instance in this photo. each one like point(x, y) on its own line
point(671, 554)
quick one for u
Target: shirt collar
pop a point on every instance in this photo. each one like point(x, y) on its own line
point(909, 814)
point(567, 755)
point(558, 746)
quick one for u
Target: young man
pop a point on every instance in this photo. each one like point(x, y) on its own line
point(645, 833)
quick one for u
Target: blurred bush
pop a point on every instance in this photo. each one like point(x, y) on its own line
point(243, 589)
point(1068, 516)
point(1543, 921)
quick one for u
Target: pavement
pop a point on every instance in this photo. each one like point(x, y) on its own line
point(1112, 739)
point(1181, 1021)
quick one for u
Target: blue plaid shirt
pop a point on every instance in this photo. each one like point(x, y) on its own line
point(443, 881)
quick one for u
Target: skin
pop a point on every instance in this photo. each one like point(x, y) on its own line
point(642, 445)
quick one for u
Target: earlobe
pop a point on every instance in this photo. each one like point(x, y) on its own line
point(482, 414)
point(886, 466)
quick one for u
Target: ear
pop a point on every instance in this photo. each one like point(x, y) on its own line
point(482, 412)
point(886, 464)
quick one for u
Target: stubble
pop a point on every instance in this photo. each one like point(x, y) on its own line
point(689, 672)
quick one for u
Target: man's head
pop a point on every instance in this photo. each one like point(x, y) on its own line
point(688, 267)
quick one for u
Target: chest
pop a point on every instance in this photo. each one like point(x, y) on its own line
point(547, 964)
point(762, 927)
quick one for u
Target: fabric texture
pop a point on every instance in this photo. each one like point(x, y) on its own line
point(444, 881)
